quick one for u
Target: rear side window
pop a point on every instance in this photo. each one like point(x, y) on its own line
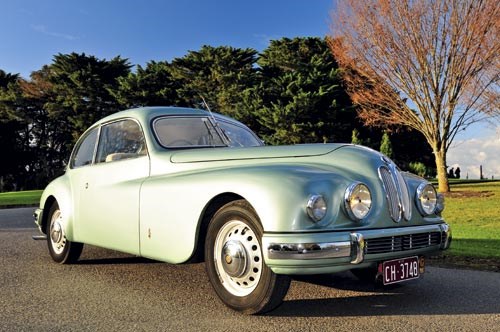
point(120, 140)
point(84, 152)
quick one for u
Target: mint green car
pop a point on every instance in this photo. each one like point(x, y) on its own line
point(180, 185)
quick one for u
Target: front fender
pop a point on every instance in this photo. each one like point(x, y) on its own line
point(59, 190)
point(172, 206)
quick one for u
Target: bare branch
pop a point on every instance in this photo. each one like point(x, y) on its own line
point(432, 65)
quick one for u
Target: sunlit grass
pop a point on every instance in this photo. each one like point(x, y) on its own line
point(473, 211)
point(31, 197)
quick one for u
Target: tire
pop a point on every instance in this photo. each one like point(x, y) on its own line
point(235, 264)
point(61, 249)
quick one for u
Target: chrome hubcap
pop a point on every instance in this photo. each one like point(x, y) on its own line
point(238, 258)
point(234, 258)
point(57, 237)
point(56, 232)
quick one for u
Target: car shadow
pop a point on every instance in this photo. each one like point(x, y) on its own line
point(93, 255)
point(436, 294)
point(116, 260)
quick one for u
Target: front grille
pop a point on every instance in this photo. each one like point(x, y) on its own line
point(402, 242)
point(398, 197)
point(391, 192)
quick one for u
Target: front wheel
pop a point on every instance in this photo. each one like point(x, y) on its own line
point(235, 264)
point(60, 248)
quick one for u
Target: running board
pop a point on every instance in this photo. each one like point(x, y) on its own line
point(39, 237)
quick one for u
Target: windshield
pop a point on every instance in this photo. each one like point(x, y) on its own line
point(239, 136)
point(197, 132)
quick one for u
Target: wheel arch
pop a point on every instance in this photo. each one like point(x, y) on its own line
point(46, 209)
point(208, 212)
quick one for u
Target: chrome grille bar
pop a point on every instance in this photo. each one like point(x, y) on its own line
point(391, 193)
point(396, 190)
point(402, 243)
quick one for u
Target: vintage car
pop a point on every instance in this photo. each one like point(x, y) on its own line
point(179, 185)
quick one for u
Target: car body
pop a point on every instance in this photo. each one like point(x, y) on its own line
point(178, 185)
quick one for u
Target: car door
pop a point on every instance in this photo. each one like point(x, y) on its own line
point(108, 208)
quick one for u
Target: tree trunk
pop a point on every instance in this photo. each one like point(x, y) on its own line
point(442, 175)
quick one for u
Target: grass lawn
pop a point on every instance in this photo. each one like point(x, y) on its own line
point(31, 197)
point(473, 211)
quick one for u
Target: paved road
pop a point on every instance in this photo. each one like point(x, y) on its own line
point(109, 291)
point(17, 218)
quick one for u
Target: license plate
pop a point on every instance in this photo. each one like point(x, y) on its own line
point(399, 270)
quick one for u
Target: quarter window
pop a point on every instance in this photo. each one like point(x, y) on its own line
point(120, 140)
point(84, 152)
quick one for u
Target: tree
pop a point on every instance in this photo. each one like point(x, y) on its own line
point(149, 86)
point(386, 145)
point(84, 89)
point(9, 133)
point(34, 141)
point(355, 139)
point(431, 65)
point(300, 98)
point(418, 168)
point(218, 74)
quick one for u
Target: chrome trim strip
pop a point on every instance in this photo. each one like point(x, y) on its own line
point(396, 190)
point(446, 231)
point(37, 215)
point(391, 194)
point(309, 250)
point(358, 248)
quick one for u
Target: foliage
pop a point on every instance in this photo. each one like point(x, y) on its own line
point(355, 139)
point(149, 86)
point(83, 88)
point(418, 168)
point(218, 74)
point(291, 93)
point(439, 57)
point(300, 97)
point(43, 117)
point(386, 145)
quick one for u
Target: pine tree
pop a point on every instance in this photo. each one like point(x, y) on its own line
point(386, 145)
point(355, 139)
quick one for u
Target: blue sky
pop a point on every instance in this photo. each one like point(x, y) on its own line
point(33, 31)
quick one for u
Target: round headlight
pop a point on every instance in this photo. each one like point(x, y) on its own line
point(316, 207)
point(427, 199)
point(358, 201)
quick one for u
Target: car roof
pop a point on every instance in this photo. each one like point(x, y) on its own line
point(146, 114)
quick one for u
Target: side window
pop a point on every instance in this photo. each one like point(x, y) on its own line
point(84, 153)
point(120, 140)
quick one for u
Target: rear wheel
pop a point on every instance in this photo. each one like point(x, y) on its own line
point(235, 264)
point(60, 248)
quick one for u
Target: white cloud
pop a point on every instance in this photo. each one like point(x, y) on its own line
point(470, 154)
point(43, 29)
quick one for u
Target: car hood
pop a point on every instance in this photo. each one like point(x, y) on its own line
point(261, 152)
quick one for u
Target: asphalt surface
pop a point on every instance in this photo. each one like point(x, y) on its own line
point(110, 291)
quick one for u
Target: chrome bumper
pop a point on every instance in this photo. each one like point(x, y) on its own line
point(37, 215)
point(354, 249)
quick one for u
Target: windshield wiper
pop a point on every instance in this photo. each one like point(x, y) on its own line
point(226, 140)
